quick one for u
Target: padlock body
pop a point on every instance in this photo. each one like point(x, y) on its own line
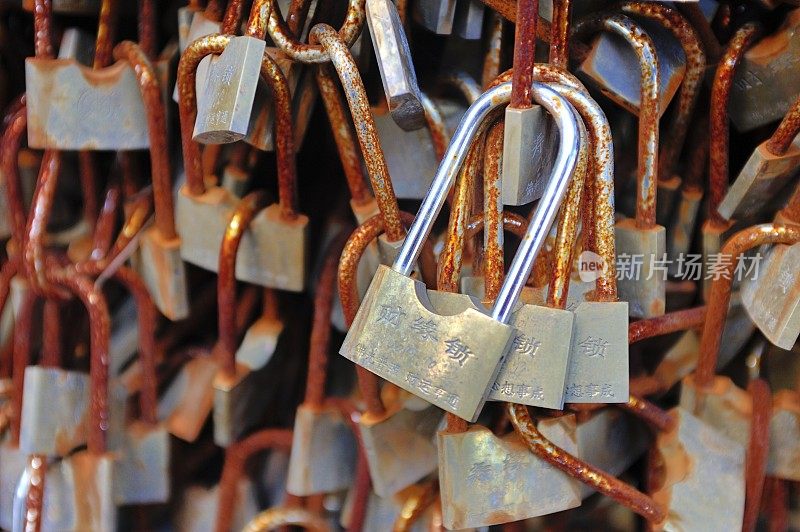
point(142, 469)
point(450, 361)
point(763, 176)
point(199, 507)
point(613, 67)
point(598, 363)
point(160, 264)
point(468, 21)
point(199, 27)
point(773, 297)
point(73, 107)
point(679, 238)
point(529, 144)
point(323, 452)
point(223, 113)
point(723, 406)
point(436, 16)
point(784, 436)
point(201, 222)
point(400, 446)
point(645, 289)
point(190, 398)
point(535, 370)
point(78, 494)
point(13, 460)
point(702, 476)
point(485, 480)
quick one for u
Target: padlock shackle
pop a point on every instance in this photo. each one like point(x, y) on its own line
point(757, 454)
point(319, 341)
point(415, 505)
point(281, 34)
point(647, 153)
point(284, 135)
point(374, 159)
point(17, 121)
point(719, 134)
point(106, 32)
point(213, 10)
point(148, 37)
point(780, 141)
point(42, 30)
point(94, 301)
point(435, 125)
point(353, 250)
point(236, 456)
point(464, 84)
point(52, 353)
point(277, 517)
point(259, 17)
point(671, 19)
point(7, 271)
point(106, 223)
point(246, 209)
point(524, 54)
point(679, 320)
point(493, 236)
point(231, 18)
point(23, 329)
point(601, 481)
point(187, 105)
point(559, 33)
point(720, 293)
point(157, 131)
point(342, 130)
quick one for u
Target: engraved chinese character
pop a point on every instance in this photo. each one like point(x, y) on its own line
point(785, 281)
point(425, 386)
point(592, 390)
point(452, 400)
point(227, 75)
point(480, 472)
point(522, 390)
point(412, 379)
point(525, 345)
point(607, 391)
point(594, 346)
point(427, 330)
point(457, 350)
point(391, 315)
point(537, 393)
point(510, 466)
point(575, 390)
point(507, 388)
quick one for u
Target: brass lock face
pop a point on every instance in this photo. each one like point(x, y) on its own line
point(486, 480)
point(95, 109)
point(598, 362)
point(450, 361)
point(323, 452)
point(771, 300)
point(702, 476)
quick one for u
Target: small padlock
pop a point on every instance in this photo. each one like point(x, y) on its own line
point(392, 316)
point(224, 109)
point(382, 513)
point(395, 64)
point(784, 435)
point(237, 384)
point(189, 399)
point(762, 91)
point(436, 16)
point(468, 19)
point(198, 507)
point(488, 480)
point(772, 164)
point(323, 446)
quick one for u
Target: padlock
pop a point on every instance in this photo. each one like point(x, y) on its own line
point(694, 461)
point(761, 92)
point(396, 430)
point(297, 517)
point(488, 480)
point(436, 16)
point(276, 227)
point(323, 446)
point(614, 67)
point(383, 325)
point(395, 64)
point(194, 24)
point(772, 164)
point(198, 506)
point(240, 378)
point(234, 469)
point(159, 261)
point(383, 513)
point(223, 112)
point(784, 428)
point(468, 19)
point(528, 137)
point(188, 401)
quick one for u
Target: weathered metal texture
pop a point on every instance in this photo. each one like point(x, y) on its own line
point(493, 211)
point(757, 451)
point(646, 295)
point(784, 443)
point(762, 91)
point(477, 469)
point(560, 33)
point(700, 477)
point(201, 26)
point(491, 61)
point(719, 134)
point(365, 127)
point(721, 290)
point(604, 483)
point(680, 320)
point(314, 53)
point(17, 121)
point(437, 16)
point(276, 517)
point(686, 35)
point(395, 64)
point(235, 458)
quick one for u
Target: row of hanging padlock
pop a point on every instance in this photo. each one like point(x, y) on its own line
point(168, 311)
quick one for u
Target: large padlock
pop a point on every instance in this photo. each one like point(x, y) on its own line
point(395, 64)
point(762, 91)
point(224, 109)
point(487, 480)
point(159, 260)
point(614, 66)
point(394, 326)
point(772, 164)
point(240, 379)
point(276, 227)
point(436, 16)
point(323, 446)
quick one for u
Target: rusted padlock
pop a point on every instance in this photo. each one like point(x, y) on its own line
point(323, 446)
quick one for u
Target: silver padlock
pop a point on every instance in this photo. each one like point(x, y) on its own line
point(386, 322)
point(436, 16)
point(784, 432)
point(468, 20)
point(199, 26)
